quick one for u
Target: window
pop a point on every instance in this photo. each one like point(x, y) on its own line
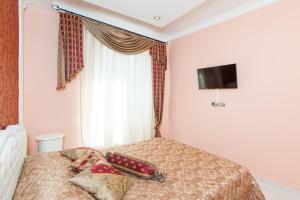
point(116, 95)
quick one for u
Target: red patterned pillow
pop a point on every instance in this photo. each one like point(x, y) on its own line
point(135, 166)
point(75, 153)
point(86, 161)
point(103, 181)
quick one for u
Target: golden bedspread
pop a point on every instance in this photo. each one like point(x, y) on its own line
point(192, 174)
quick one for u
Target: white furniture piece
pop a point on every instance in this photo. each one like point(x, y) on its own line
point(50, 142)
point(13, 148)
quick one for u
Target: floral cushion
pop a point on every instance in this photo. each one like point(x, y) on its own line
point(103, 181)
point(75, 153)
point(86, 161)
point(135, 166)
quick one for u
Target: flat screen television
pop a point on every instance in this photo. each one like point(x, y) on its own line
point(217, 77)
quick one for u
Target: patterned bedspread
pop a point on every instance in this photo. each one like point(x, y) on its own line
point(192, 174)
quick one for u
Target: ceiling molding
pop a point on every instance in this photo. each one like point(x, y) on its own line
point(167, 10)
point(211, 12)
point(238, 11)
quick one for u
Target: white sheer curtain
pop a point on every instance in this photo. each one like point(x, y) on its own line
point(116, 96)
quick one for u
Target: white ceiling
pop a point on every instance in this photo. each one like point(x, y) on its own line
point(145, 11)
point(45, 4)
point(178, 17)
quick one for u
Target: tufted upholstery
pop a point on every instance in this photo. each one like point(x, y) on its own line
point(11, 160)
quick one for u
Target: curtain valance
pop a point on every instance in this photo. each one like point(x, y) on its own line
point(119, 40)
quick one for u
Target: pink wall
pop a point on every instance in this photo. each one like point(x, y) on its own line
point(45, 109)
point(259, 127)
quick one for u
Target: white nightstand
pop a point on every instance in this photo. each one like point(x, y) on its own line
point(50, 142)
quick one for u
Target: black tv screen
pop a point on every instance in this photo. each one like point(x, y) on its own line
point(217, 77)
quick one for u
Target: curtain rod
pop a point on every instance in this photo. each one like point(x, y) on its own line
point(57, 8)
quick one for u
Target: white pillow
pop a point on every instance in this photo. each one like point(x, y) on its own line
point(4, 134)
point(13, 129)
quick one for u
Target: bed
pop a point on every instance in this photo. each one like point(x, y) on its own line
point(192, 174)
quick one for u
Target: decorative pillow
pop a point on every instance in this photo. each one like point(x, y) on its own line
point(86, 161)
point(4, 134)
point(135, 166)
point(103, 181)
point(75, 153)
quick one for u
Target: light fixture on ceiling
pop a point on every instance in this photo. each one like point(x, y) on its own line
point(157, 17)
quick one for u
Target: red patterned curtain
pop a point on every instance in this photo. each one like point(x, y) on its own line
point(70, 49)
point(159, 65)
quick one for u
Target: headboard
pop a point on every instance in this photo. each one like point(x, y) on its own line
point(13, 148)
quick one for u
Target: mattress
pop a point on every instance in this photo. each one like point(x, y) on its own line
point(192, 174)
